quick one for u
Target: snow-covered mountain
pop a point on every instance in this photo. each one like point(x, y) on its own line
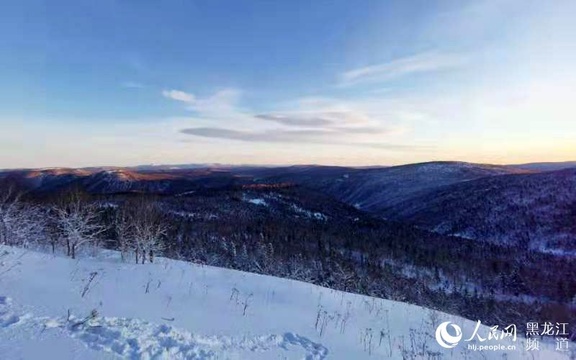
point(375, 189)
point(53, 307)
point(371, 189)
point(120, 180)
point(537, 211)
point(546, 166)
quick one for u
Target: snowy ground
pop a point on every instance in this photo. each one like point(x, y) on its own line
point(177, 310)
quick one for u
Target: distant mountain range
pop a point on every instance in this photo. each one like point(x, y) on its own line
point(376, 189)
point(532, 205)
point(546, 166)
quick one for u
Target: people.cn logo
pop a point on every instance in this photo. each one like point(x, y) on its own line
point(446, 340)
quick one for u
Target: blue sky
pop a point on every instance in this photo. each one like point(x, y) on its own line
point(126, 82)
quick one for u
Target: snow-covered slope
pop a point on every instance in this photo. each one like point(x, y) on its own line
point(178, 310)
point(376, 189)
point(529, 210)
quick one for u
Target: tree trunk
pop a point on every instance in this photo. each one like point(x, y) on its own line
point(3, 231)
point(151, 256)
point(73, 251)
point(136, 252)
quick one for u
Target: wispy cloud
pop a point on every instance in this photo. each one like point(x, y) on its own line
point(311, 136)
point(309, 121)
point(333, 122)
point(220, 103)
point(419, 63)
point(179, 96)
point(276, 135)
point(295, 120)
point(319, 117)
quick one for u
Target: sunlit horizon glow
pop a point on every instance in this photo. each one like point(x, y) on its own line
point(124, 83)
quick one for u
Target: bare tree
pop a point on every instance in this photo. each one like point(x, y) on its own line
point(8, 209)
point(20, 223)
point(148, 231)
point(124, 227)
point(79, 223)
point(52, 229)
point(29, 225)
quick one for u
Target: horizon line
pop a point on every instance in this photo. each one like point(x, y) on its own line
point(232, 165)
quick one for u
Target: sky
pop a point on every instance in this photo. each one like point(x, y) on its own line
point(129, 82)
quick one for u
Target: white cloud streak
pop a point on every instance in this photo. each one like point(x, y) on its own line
point(221, 104)
point(179, 96)
point(306, 122)
point(415, 64)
